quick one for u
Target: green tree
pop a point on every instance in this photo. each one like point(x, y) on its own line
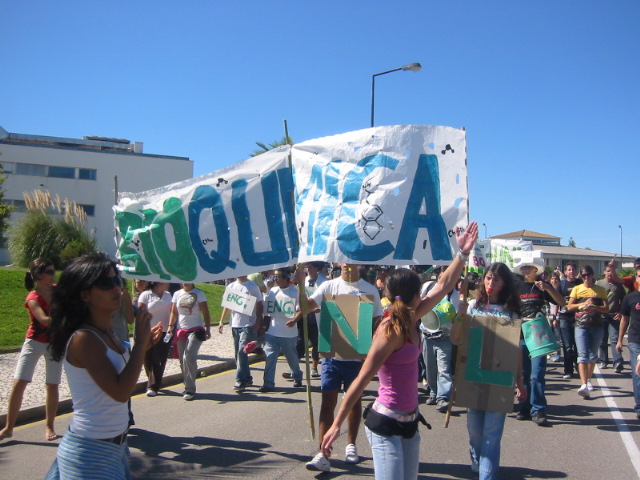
point(265, 148)
point(39, 234)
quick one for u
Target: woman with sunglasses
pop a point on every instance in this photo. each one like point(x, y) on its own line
point(101, 370)
point(40, 275)
point(589, 302)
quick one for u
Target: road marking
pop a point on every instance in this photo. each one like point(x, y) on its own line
point(623, 429)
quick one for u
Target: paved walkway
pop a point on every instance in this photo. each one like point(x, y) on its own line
point(215, 355)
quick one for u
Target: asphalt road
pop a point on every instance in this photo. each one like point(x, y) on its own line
point(222, 434)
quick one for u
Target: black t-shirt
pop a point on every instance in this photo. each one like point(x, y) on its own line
point(565, 290)
point(631, 308)
point(533, 299)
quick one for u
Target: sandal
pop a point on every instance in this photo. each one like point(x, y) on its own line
point(52, 436)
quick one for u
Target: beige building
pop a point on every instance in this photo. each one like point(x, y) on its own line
point(556, 255)
point(83, 170)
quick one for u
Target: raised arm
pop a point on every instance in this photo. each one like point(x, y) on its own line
point(448, 279)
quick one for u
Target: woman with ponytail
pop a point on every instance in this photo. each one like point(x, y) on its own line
point(391, 422)
point(40, 276)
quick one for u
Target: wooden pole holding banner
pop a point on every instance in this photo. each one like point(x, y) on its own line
point(464, 293)
point(304, 308)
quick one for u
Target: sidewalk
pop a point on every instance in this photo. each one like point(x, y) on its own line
point(216, 355)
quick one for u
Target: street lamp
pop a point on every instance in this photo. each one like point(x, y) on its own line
point(485, 230)
point(413, 67)
point(620, 227)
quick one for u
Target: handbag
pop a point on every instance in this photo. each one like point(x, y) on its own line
point(387, 426)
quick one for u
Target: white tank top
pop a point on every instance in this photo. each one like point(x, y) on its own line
point(96, 414)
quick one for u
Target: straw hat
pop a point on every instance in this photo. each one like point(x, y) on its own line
point(531, 258)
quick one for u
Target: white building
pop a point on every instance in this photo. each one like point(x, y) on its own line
point(556, 255)
point(83, 170)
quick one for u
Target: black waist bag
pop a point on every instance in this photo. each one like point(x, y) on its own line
point(387, 426)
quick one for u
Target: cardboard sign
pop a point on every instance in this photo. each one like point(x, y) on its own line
point(238, 302)
point(345, 327)
point(488, 363)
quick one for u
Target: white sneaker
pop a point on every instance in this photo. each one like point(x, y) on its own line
point(151, 393)
point(583, 391)
point(314, 373)
point(319, 463)
point(351, 454)
point(188, 396)
point(590, 386)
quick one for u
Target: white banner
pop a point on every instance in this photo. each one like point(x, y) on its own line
point(386, 195)
point(232, 222)
point(493, 250)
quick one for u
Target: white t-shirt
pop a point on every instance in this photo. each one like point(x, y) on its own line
point(188, 305)
point(241, 320)
point(282, 305)
point(338, 286)
point(158, 307)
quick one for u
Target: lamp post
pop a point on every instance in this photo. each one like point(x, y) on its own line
point(485, 231)
point(413, 67)
point(620, 227)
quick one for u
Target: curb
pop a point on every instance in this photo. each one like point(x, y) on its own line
point(37, 413)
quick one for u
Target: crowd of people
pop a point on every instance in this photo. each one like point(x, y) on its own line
point(76, 323)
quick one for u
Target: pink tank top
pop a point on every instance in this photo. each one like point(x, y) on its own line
point(399, 379)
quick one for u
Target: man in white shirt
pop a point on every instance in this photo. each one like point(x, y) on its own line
point(282, 312)
point(338, 374)
point(245, 329)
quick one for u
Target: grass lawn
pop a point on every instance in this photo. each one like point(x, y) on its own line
point(14, 318)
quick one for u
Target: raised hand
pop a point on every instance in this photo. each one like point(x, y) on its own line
point(467, 239)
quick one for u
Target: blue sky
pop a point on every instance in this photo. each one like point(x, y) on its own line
point(547, 90)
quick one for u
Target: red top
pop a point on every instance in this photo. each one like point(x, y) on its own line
point(36, 330)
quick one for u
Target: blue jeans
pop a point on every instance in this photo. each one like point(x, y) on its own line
point(533, 371)
point(394, 457)
point(438, 359)
point(242, 336)
point(272, 348)
point(634, 352)
point(567, 333)
point(588, 341)
point(610, 334)
point(485, 434)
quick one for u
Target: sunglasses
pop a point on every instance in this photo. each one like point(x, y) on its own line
point(49, 271)
point(586, 274)
point(108, 283)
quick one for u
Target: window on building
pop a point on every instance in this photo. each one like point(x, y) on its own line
point(62, 172)
point(7, 167)
point(31, 169)
point(87, 174)
point(18, 205)
point(90, 210)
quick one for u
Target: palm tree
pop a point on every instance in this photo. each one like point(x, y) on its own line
point(265, 148)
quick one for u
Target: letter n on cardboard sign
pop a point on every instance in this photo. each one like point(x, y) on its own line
point(345, 326)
